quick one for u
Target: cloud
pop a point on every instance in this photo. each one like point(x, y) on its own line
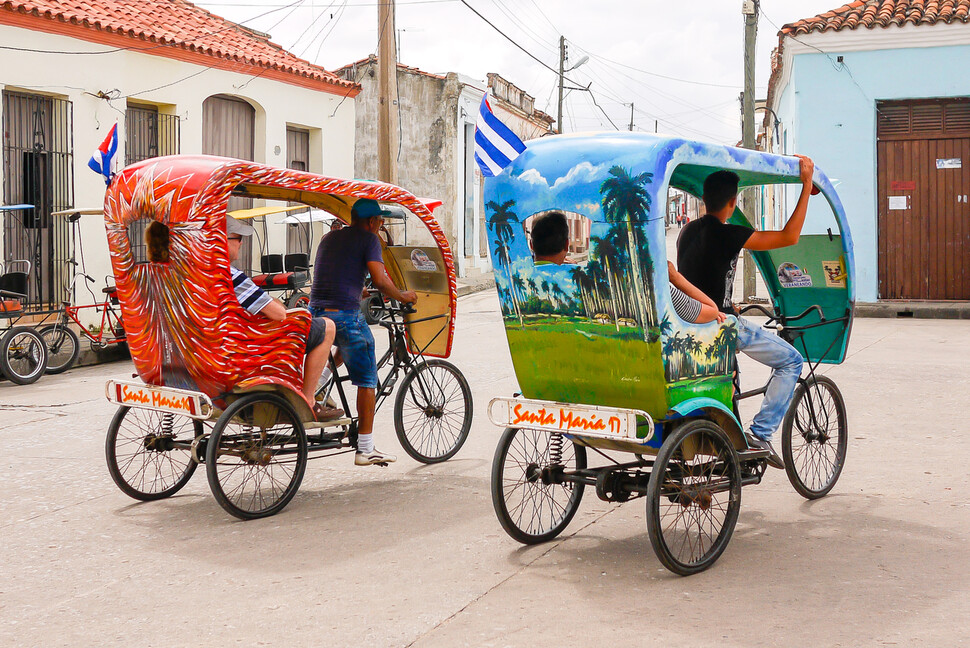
point(588, 208)
point(582, 172)
point(532, 176)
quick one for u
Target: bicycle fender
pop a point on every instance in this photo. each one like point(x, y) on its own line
point(710, 408)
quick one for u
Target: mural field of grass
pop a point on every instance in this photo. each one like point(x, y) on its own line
point(578, 361)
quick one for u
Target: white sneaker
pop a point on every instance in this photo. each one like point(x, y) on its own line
point(375, 457)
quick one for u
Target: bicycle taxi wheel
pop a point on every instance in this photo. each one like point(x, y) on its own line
point(693, 497)
point(149, 453)
point(531, 499)
point(23, 355)
point(63, 347)
point(256, 456)
point(433, 411)
point(814, 437)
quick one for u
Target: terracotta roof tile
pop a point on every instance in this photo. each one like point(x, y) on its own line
point(174, 23)
point(882, 13)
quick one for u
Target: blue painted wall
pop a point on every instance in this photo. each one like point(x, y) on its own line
point(828, 112)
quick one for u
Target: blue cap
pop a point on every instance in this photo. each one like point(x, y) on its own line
point(367, 208)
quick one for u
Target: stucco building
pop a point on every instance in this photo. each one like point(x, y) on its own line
point(437, 121)
point(875, 92)
point(176, 79)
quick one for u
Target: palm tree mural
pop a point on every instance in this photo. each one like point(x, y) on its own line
point(603, 250)
point(626, 199)
point(501, 222)
point(578, 275)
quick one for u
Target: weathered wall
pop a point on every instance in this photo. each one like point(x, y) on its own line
point(428, 139)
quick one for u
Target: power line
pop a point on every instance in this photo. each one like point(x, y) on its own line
point(231, 26)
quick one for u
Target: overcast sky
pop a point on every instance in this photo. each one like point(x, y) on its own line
point(681, 68)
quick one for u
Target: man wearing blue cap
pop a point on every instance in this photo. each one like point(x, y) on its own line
point(343, 260)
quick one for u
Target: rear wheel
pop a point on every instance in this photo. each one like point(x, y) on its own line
point(693, 497)
point(23, 355)
point(814, 437)
point(149, 453)
point(433, 411)
point(531, 499)
point(63, 347)
point(256, 456)
point(298, 299)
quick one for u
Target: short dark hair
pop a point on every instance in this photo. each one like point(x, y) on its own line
point(719, 188)
point(550, 234)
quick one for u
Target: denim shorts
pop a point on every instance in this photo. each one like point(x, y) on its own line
point(356, 344)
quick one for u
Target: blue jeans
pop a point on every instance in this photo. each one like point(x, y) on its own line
point(786, 366)
point(356, 344)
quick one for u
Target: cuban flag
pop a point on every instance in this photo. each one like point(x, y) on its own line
point(495, 144)
point(103, 158)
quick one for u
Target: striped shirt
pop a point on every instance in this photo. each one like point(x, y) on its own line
point(688, 308)
point(250, 296)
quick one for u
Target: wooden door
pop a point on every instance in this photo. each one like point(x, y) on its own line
point(923, 162)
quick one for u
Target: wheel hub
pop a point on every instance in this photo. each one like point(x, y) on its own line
point(159, 442)
point(532, 473)
point(257, 455)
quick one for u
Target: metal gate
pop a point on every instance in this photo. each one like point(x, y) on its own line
point(38, 144)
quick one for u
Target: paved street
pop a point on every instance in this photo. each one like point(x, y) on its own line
point(413, 555)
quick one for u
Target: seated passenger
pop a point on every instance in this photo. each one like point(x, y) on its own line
point(689, 302)
point(550, 238)
point(256, 301)
point(707, 254)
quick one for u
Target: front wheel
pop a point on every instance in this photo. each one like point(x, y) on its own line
point(814, 437)
point(530, 493)
point(23, 355)
point(693, 497)
point(63, 347)
point(433, 411)
point(149, 453)
point(256, 456)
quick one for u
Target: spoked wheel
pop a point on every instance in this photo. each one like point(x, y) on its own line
point(531, 499)
point(693, 497)
point(23, 355)
point(150, 453)
point(814, 437)
point(298, 299)
point(433, 411)
point(63, 347)
point(256, 456)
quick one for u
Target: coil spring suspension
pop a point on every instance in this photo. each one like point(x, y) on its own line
point(167, 419)
point(555, 449)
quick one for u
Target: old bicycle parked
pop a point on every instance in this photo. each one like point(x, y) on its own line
point(222, 387)
point(607, 368)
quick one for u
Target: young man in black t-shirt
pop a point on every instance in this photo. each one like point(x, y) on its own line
point(707, 255)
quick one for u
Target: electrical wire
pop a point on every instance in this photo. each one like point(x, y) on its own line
point(231, 26)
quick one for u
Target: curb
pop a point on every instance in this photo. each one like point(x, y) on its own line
point(914, 310)
point(470, 289)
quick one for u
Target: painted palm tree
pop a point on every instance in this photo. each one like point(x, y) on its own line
point(604, 250)
point(502, 219)
point(626, 199)
point(519, 285)
point(578, 275)
point(504, 260)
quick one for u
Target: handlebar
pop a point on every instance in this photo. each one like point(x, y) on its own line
point(815, 307)
point(758, 307)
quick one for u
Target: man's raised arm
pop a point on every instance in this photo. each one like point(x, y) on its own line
point(770, 240)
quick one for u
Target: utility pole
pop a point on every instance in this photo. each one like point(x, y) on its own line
point(631, 116)
point(749, 8)
point(388, 124)
point(562, 62)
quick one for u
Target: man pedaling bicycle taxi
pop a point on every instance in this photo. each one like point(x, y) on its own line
point(344, 257)
point(707, 255)
point(255, 300)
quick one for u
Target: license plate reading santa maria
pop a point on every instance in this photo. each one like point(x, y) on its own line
point(565, 417)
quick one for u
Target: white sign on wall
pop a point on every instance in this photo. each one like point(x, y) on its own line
point(949, 163)
point(898, 202)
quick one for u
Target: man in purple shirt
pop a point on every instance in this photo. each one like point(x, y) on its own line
point(343, 259)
